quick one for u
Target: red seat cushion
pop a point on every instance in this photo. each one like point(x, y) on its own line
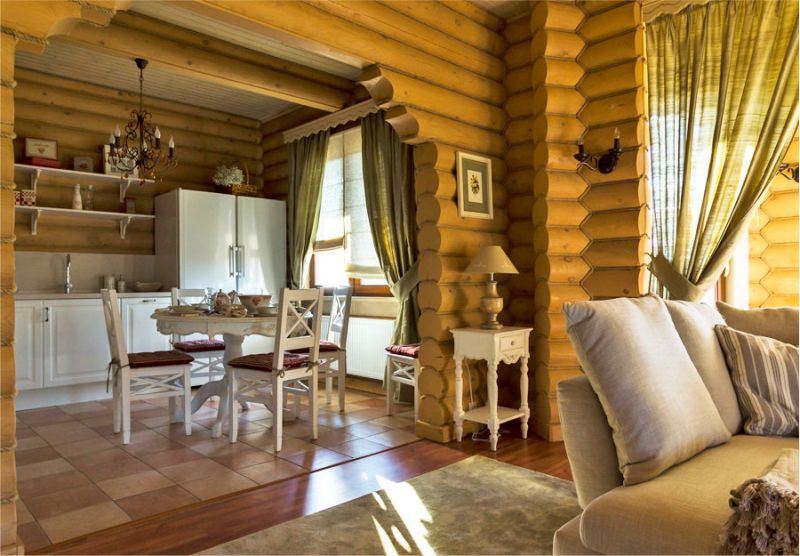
point(324, 345)
point(409, 350)
point(158, 359)
point(192, 346)
point(263, 361)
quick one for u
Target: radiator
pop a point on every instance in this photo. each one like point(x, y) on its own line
point(366, 340)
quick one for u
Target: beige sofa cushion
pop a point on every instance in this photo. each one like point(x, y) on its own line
point(695, 325)
point(780, 323)
point(656, 404)
point(682, 511)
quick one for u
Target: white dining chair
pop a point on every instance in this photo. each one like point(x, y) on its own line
point(402, 367)
point(261, 378)
point(332, 350)
point(208, 353)
point(144, 375)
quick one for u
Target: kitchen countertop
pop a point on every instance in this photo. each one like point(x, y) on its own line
point(84, 295)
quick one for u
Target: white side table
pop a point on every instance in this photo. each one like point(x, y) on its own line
point(509, 345)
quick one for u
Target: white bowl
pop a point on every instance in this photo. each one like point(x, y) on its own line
point(254, 302)
point(147, 286)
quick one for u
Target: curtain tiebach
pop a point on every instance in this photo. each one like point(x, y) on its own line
point(406, 284)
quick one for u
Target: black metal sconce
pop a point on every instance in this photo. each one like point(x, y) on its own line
point(790, 171)
point(605, 163)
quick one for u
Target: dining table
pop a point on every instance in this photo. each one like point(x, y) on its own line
point(233, 331)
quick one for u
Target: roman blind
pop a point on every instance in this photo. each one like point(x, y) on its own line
point(343, 219)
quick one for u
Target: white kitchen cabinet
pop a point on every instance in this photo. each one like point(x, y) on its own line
point(28, 355)
point(75, 342)
point(141, 333)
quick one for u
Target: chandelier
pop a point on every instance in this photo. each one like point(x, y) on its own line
point(139, 151)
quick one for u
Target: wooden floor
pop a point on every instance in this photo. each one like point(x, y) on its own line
point(202, 525)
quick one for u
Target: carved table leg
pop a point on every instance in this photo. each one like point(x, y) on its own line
point(523, 393)
point(491, 387)
point(459, 413)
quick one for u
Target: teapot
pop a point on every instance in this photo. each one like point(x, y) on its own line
point(221, 300)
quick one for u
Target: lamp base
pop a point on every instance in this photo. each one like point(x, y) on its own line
point(491, 304)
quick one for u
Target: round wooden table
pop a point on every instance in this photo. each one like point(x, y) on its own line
point(232, 330)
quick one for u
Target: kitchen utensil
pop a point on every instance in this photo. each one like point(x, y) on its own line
point(147, 286)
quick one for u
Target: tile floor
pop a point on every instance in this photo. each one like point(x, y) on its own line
point(75, 476)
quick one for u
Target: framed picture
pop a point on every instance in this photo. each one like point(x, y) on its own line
point(41, 148)
point(108, 165)
point(474, 186)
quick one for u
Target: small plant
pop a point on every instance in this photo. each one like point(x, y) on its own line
point(228, 176)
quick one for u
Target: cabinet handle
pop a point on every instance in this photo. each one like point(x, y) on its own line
point(240, 261)
point(149, 300)
point(230, 260)
point(47, 314)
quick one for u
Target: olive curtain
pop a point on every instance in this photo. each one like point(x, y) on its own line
point(723, 94)
point(389, 188)
point(306, 170)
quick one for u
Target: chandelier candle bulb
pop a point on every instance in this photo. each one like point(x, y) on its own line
point(158, 137)
point(616, 139)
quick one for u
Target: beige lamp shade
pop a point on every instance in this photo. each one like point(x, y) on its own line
point(492, 260)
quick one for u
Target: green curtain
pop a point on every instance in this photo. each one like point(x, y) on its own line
point(306, 169)
point(389, 189)
point(723, 94)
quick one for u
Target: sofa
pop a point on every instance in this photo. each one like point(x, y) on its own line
point(684, 508)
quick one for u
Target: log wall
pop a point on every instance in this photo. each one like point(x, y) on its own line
point(774, 243)
point(80, 116)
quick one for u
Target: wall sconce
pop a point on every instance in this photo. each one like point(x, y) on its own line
point(790, 171)
point(606, 163)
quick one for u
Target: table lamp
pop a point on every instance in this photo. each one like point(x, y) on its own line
point(492, 260)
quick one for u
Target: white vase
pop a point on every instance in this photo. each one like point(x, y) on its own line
point(77, 202)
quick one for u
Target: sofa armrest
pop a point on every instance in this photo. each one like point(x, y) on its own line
point(588, 440)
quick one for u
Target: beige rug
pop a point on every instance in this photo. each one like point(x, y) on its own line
point(475, 506)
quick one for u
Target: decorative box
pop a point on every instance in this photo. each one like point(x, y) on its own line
point(83, 163)
point(17, 197)
point(41, 148)
point(46, 162)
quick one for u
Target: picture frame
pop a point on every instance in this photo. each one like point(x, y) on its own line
point(108, 165)
point(41, 148)
point(83, 163)
point(474, 186)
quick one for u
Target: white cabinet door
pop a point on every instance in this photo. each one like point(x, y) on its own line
point(29, 317)
point(141, 333)
point(75, 342)
point(207, 228)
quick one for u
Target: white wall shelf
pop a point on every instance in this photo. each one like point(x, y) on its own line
point(36, 172)
point(123, 218)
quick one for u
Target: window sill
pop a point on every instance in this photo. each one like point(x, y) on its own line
point(370, 307)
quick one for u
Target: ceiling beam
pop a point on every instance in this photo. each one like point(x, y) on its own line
point(204, 64)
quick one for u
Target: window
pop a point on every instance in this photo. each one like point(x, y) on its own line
point(343, 248)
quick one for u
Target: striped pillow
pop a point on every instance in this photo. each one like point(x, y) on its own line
point(764, 373)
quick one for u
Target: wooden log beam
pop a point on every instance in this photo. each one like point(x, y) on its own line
point(206, 65)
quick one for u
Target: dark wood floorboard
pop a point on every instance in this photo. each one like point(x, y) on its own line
point(206, 524)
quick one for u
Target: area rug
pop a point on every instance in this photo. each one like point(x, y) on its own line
point(475, 506)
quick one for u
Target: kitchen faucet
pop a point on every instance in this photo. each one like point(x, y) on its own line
point(68, 284)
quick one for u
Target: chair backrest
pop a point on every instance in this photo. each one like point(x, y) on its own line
point(340, 315)
point(184, 296)
point(299, 323)
point(116, 337)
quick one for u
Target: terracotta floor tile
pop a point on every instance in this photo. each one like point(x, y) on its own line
point(26, 432)
point(23, 513)
point(102, 457)
point(289, 444)
point(359, 447)
point(272, 471)
point(393, 421)
point(239, 455)
point(363, 430)
point(98, 420)
point(43, 416)
point(51, 483)
point(158, 421)
point(42, 469)
point(108, 429)
point(33, 536)
point(82, 447)
point(394, 437)
point(79, 522)
point(29, 442)
point(194, 470)
point(36, 455)
point(49, 505)
point(84, 410)
point(65, 432)
point(170, 457)
point(329, 437)
point(130, 485)
point(341, 420)
point(143, 435)
point(218, 484)
point(177, 433)
point(158, 444)
point(156, 501)
point(317, 459)
point(115, 469)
